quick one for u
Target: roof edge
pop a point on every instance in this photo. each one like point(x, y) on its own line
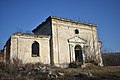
point(63, 19)
point(29, 34)
point(73, 21)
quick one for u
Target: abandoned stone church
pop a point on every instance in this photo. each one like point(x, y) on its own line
point(56, 41)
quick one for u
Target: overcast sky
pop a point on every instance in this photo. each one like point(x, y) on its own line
point(25, 15)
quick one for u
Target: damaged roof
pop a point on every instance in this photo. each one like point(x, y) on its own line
point(30, 34)
point(63, 19)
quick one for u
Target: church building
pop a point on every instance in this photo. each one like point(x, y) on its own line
point(56, 41)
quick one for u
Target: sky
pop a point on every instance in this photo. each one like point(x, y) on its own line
point(25, 15)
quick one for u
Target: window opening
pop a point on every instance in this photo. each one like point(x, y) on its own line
point(35, 49)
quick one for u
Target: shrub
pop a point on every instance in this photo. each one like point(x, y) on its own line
point(75, 64)
point(2, 66)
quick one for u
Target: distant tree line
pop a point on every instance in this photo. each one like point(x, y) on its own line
point(111, 59)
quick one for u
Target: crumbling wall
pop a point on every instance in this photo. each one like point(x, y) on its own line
point(21, 48)
point(64, 30)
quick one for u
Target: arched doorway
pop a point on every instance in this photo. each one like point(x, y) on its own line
point(78, 54)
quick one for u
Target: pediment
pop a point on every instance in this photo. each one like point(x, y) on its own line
point(76, 39)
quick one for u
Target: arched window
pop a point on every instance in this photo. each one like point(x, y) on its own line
point(35, 49)
point(76, 31)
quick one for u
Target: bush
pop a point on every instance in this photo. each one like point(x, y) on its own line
point(17, 70)
point(2, 66)
point(75, 64)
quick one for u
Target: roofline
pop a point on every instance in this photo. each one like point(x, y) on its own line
point(73, 21)
point(49, 18)
point(29, 34)
point(23, 34)
point(63, 19)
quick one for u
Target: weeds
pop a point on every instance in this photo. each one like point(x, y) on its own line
point(38, 71)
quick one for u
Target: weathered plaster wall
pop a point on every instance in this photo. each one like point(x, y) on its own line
point(46, 29)
point(21, 47)
point(62, 31)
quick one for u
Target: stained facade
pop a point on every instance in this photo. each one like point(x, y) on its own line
point(57, 41)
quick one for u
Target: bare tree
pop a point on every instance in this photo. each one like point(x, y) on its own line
point(92, 50)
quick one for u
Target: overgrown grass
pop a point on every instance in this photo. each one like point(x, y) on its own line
point(39, 71)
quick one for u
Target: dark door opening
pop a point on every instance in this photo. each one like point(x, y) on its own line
point(78, 54)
